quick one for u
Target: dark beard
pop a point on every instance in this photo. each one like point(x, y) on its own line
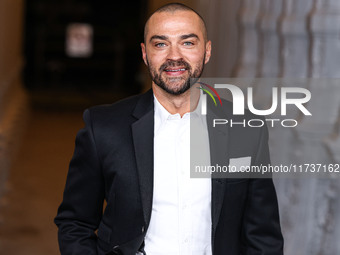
point(158, 80)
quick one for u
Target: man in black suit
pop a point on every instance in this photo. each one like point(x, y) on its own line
point(132, 154)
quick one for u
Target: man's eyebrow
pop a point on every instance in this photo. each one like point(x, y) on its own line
point(159, 37)
point(184, 37)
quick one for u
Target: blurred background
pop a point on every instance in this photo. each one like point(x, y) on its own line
point(59, 57)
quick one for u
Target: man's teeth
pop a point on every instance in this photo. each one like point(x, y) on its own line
point(176, 70)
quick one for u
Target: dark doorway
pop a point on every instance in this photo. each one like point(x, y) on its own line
point(84, 45)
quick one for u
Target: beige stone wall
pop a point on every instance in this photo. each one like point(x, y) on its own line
point(13, 107)
point(292, 40)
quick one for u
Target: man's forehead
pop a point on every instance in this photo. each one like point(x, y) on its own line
point(178, 22)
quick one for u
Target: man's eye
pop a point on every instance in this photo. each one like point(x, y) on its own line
point(159, 45)
point(188, 43)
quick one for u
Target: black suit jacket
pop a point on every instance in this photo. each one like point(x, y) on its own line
point(113, 161)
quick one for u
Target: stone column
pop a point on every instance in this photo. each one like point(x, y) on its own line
point(324, 24)
point(295, 38)
point(247, 65)
point(269, 48)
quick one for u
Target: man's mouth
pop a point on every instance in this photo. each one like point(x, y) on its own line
point(175, 71)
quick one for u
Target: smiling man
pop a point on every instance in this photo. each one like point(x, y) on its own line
point(135, 155)
point(175, 49)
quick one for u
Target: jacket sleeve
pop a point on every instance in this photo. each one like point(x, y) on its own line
point(80, 212)
point(261, 227)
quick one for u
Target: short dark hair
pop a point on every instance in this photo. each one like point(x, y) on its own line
point(173, 7)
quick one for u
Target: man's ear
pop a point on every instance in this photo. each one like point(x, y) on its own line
point(207, 51)
point(143, 47)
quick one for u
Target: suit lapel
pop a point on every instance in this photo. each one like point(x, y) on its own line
point(218, 141)
point(143, 134)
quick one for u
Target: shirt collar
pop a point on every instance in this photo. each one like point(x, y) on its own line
point(163, 115)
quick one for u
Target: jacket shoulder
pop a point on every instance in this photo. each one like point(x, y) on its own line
point(125, 105)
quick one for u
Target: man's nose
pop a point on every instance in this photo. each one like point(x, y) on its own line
point(174, 53)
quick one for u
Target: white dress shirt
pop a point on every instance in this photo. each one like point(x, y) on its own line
point(181, 211)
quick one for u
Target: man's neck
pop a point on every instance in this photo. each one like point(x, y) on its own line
point(175, 103)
